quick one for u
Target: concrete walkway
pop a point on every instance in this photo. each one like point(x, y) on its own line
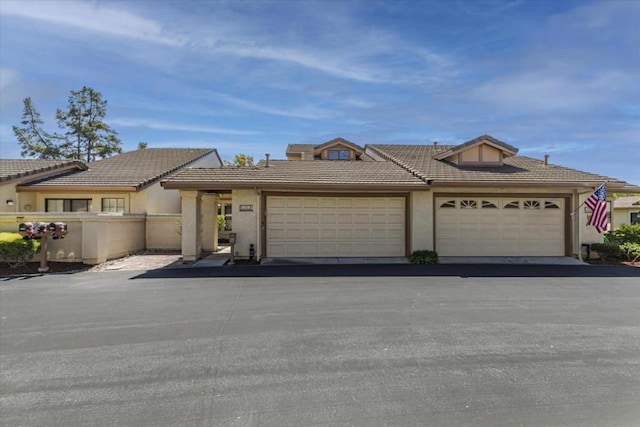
point(216, 259)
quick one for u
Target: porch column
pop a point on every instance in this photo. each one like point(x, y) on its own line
point(191, 224)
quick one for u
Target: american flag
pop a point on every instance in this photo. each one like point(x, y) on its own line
point(598, 204)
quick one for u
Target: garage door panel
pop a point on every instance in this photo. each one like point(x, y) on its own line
point(335, 226)
point(345, 204)
point(515, 226)
point(292, 203)
point(345, 218)
point(311, 218)
point(327, 218)
point(310, 203)
point(293, 218)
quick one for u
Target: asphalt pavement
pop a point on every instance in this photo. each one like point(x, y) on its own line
point(336, 346)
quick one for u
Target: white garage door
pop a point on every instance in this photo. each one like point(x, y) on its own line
point(477, 226)
point(300, 226)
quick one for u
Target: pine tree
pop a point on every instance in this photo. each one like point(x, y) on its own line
point(87, 137)
point(34, 141)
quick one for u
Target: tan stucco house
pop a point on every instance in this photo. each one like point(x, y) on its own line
point(626, 210)
point(112, 206)
point(337, 198)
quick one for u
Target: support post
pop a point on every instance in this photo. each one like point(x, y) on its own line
point(43, 256)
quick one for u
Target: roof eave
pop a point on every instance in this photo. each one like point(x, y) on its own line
point(226, 186)
point(76, 164)
point(75, 189)
point(526, 184)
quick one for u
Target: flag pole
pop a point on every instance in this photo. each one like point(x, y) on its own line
point(581, 204)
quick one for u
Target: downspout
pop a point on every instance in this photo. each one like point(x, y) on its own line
point(575, 218)
point(258, 225)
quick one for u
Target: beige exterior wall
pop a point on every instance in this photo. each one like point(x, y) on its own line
point(245, 224)
point(160, 201)
point(490, 154)
point(623, 216)
point(421, 220)
point(8, 192)
point(472, 155)
point(92, 238)
point(164, 231)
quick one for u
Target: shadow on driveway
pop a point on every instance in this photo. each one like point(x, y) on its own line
point(395, 270)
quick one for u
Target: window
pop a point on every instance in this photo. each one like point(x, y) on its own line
point(635, 218)
point(67, 205)
point(531, 204)
point(550, 205)
point(488, 205)
point(468, 204)
point(512, 205)
point(339, 155)
point(449, 204)
point(113, 205)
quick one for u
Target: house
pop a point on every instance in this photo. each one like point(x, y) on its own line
point(18, 171)
point(341, 199)
point(626, 210)
point(112, 206)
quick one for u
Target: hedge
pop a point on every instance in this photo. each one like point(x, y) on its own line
point(15, 251)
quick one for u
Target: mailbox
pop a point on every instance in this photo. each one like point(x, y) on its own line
point(232, 238)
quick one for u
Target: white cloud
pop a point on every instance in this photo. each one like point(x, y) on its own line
point(91, 17)
point(8, 77)
point(301, 113)
point(163, 125)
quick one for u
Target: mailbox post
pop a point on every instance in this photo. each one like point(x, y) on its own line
point(42, 231)
point(232, 242)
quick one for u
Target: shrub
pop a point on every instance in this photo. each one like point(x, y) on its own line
point(631, 251)
point(15, 251)
point(626, 233)
point(222, 222)
point(423, 257)
point(607, 250)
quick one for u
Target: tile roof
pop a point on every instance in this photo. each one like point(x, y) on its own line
point(419, 160)
point(290, 172)
point(11, 169)
point(489, 138)
point(310, 149)
point(133, 169)
point(301, 148)
point(627, 202)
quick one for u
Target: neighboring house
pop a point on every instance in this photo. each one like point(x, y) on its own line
point(626, 210)
point(113, 206)
point(341, 199)
point(19, 171)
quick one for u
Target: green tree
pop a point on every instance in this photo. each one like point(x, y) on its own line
point(142, 145)
point(240, 160)
point(34, 141)
point(87, 136)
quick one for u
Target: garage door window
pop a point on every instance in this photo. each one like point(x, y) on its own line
point(531, 204)
point(512, 205)
point(468, 204)
point(449, 204)
point(550, 205)
point(488, 205)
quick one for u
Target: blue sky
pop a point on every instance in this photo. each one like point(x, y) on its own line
point(556, 77)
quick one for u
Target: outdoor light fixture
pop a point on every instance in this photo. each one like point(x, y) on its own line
point(10, 202)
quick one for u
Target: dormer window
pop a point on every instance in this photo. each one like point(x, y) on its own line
point(339, 154)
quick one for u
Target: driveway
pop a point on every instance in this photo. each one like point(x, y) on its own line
point(512, 348)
